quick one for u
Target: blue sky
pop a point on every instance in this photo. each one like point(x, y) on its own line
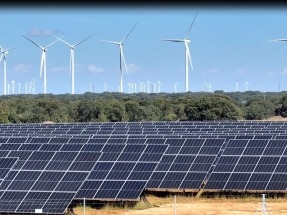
point(228, 45)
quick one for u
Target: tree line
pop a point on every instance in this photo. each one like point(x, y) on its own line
point(120, 107)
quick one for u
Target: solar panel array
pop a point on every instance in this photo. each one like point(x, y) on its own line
point(47, 166)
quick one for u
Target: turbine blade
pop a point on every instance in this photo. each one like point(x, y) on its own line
point(7, 50)
point(173, 40)
point(188, 54)
point(42, 64)
point(129, 33)
point(33, 42)
point(277, 40)
point(84, 40)
point(1, 57)
point(51, 43)
point(191, 25)
point(123, 57)
point(108, 41)
point(62, 40)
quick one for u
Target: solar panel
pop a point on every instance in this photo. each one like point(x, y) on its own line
point(184, 158)
point(250, 165)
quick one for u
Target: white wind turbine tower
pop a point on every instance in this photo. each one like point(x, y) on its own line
point(148, 82)
point(135, 87)
point(154, 87)
point(129, 84)
point(175, 87)
point(187, 52)
point(19, 88)
point(236, 87)
point(132, 87)
point(72, 58)
point(26, 87)
point(33, 86)
point(205, 87)
point(122, 57)
point(13, 84)
point(8, 88)
point(210, 87)
point(246, 86)
point(159, 83)
point(3, 56)
point(43, 65)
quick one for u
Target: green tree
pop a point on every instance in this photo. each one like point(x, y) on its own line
point(259, 109)
point(212, 107)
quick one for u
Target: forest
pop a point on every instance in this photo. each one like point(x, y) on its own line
point(121, 107)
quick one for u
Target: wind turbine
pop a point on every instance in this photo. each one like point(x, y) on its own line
point(135, 84)
point(159, 83)
point(187, 52)
point(122, 57)
point(19, 88)
point(246, 86)
point(72, 58)
point(43, 66)
point(3, 56)
point(148, 82)
point(236, 87)
point(13, 83)
point(175, 87)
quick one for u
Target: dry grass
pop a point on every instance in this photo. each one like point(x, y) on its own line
point(194, 206)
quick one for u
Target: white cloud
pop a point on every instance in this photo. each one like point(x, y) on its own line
point(58, 69)
point(36, 32)
point(95, 69)
point(22, 68)
point(133, 68)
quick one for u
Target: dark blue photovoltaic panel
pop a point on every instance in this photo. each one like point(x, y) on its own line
point(109, 189)
point(131, 190)
point(51, 167)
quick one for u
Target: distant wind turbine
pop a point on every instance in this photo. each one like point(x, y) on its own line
point(135, 84)
point(206, 87)
point(19, 88)
point(236, 87)
point(3, 56)
point(26, 88)
point(175, 87)
point(187, 52)
point(159, 84)
point(122, 57)
point(13, 84)
point(246, 86)
point(72, 58)
point(8, 88)
point(43, 66)
point(148, 82)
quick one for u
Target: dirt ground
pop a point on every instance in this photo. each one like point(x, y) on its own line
point(198, 207)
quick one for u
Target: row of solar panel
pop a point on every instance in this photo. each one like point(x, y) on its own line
point(49, 172)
